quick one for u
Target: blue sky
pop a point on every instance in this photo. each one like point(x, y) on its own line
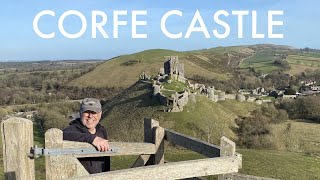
point(18, 41)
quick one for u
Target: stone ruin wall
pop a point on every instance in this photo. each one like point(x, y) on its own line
point(175, 71)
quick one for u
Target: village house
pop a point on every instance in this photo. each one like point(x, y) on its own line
point(308, 82)
point(315, 88)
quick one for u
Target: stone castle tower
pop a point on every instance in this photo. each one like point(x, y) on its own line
point(174, 69)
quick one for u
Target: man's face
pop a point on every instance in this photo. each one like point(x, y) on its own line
point(90, 119)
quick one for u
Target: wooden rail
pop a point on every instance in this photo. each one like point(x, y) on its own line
point(174, 170)
point(125, 148)
point(201, 147)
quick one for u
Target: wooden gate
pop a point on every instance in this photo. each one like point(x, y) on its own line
point(17, 135)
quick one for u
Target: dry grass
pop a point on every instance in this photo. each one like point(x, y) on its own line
point(192, 69)
point(297, 69)
point(298, 136)
point(299, 63)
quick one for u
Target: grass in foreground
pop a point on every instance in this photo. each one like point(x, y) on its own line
point(281, 165)
point(263, 163)
point(297, 136)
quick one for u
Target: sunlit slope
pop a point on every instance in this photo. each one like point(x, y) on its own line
point(298, 136)
point(303, 61)
point(263, 60)
point(214, 63)
point(125, 70)
point(124, 115)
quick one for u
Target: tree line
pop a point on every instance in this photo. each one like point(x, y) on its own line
point(46, 87)
point(303, 108)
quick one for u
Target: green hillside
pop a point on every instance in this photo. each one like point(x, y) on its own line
point(124, 115)
point(124, 70)
point(297, 156)
point(263, 60)
point(217, 64)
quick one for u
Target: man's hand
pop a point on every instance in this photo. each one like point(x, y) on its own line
point(101, 144)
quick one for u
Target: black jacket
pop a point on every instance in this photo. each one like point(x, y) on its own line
point(78, 132)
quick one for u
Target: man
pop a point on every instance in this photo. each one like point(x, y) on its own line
point(88, 129)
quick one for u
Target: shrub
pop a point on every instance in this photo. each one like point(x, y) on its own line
point(130, 63)
point(251, 128)
point(254, 131)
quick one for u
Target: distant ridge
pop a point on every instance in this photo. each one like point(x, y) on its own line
point(214, 63)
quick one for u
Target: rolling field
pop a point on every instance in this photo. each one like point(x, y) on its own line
point(301, 62)
point(261, 61)
point(297, 136)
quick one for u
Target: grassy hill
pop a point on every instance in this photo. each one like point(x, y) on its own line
point(125, 70)
point(124, 115)
point(207, 120)
point(215, 63)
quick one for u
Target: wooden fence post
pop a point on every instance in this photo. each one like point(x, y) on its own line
point(227, 148)
point(149, 124)
point(153, 133)
point(17, 139)
point(62, 166)
point(159, 142)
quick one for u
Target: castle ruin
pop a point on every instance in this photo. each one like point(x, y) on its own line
point(172, 70)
